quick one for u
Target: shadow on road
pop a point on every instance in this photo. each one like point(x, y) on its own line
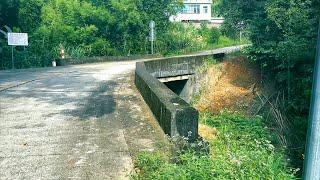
point(100, 102)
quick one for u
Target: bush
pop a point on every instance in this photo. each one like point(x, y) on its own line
point(213, 35)
point(180, 39)
point(283, 35)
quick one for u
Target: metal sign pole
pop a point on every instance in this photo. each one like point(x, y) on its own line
point(151, 47)
point(152, 39)
point(312, 161)
point(12, 60)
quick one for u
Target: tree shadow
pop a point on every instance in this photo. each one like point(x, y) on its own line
point(100, 102)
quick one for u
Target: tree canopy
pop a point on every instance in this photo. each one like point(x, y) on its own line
point(85, 27)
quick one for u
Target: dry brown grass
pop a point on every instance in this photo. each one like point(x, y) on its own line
point(231, 86)
point(207, 132)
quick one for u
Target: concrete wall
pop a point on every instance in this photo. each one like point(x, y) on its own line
point(175, 115)
point(84, 60)
point(176, 66)
point(189, 89)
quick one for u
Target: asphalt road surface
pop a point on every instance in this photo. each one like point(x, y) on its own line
point(71, 122)
point(74, 122)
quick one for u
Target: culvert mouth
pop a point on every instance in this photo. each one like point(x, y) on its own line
point(176, 86)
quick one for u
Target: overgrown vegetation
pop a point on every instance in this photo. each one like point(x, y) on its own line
point(242, 150)
point(98, 28)
point(188, 39)
point(82, 27)
point(283, 35)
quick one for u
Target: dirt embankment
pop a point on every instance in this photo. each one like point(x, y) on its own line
point(230, 85)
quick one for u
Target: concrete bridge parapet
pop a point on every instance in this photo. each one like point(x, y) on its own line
point(176, 66)
point(175, 116)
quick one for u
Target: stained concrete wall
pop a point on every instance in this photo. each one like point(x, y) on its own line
point(85, 60)
point(189, 89)
point(175, 115)
point(177, 66)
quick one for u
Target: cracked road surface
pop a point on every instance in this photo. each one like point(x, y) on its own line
point(71, 122)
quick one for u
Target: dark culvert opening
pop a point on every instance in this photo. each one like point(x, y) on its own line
point(176, 86)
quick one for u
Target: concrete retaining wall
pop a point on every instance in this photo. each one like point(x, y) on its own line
point(175, 116)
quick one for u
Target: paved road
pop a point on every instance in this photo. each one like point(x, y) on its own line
point(75, 122)
point(72, 122)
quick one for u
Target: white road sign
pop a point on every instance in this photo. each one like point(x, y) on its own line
point(17, 39)
point(152, 34)
point(152, 24)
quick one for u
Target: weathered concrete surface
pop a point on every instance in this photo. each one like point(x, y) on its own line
point(185, 64)
point(76, 122)
point(175, 115)
point(84, 60)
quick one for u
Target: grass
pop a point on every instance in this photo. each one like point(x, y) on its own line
point(225, 41)
point(243, 149)
point(222, 42)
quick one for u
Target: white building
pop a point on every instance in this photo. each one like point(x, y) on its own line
point(194, 11)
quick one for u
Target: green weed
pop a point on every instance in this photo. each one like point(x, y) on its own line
point(242, 150)
point(191, 166)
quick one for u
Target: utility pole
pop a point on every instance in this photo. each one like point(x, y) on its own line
point(312, 154)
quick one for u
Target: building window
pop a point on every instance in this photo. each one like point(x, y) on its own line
point(205, 9)
point(186, 9)
point(195, 8)
point(191, 9)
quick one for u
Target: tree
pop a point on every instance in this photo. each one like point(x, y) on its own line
point(283, 35)
point(29, 17)
point(9, 12)
point(86, 27)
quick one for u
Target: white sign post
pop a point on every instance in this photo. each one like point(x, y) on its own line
point(17, 39)
point(152, 37)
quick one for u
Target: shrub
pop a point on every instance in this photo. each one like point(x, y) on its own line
point(213, 35)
